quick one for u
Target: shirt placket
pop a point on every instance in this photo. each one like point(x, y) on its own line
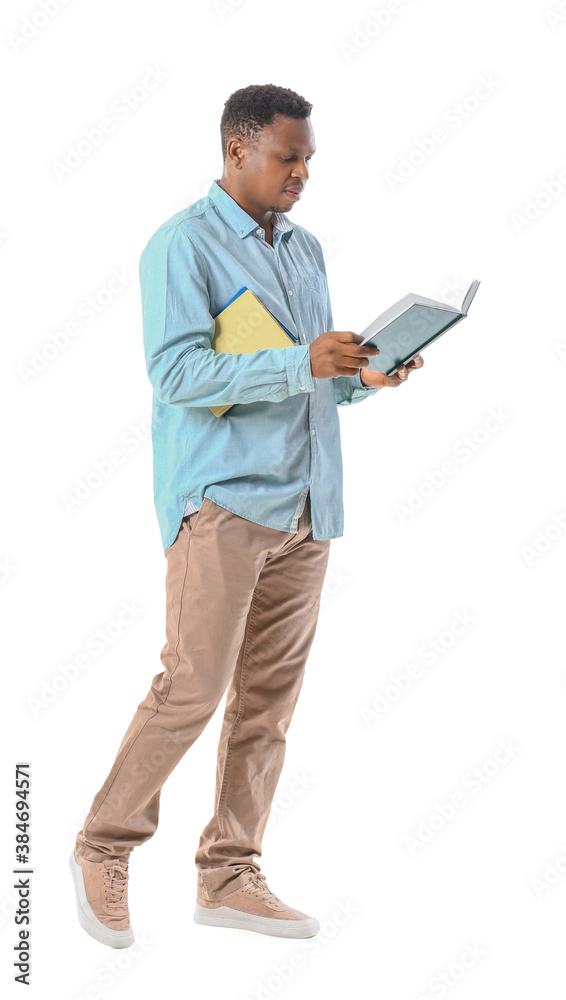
point(259, 233)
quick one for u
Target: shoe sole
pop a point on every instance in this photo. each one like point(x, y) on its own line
point(88, 919)
point(227, 916)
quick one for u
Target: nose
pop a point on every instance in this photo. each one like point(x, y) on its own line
point(301, 172)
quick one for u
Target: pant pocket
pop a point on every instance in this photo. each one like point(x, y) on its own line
point(194, 518)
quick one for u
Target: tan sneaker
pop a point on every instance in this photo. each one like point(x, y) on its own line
point(101, 889)
point(253, 907)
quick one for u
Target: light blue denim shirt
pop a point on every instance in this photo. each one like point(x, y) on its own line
point(282, 436)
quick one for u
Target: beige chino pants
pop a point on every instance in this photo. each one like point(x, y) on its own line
point(242, 604)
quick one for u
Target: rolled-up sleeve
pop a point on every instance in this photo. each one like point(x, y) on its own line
point(178, 329)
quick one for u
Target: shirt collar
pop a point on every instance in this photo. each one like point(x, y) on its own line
point(238, 219)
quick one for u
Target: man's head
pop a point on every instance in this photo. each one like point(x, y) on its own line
point(267, 144)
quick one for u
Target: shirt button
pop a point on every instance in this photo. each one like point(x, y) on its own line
point(312, 432)
point(290, 291)
point(261, 399)
point(303, 387)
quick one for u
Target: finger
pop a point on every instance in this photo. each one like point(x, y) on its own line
point(358, 360)
point(401, 375)
point(351, 370)
point(345, 337)
point(417, 362)
point(356, 339)
point(355, 349)
point(363, 351)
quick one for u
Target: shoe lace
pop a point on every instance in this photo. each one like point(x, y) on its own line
point(116, 881)
point(257, 885)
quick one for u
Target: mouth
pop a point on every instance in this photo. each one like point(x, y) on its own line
point(293, 193)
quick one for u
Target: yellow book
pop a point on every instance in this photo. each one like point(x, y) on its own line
point(243, 326)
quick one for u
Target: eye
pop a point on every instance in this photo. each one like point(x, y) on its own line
point(286, 159)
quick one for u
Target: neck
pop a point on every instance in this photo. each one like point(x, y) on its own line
point(259, 215)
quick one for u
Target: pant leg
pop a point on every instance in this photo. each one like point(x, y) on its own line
point(261, 699)
point(212, 572)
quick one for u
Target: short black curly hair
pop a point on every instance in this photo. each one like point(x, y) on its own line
point(249, 109)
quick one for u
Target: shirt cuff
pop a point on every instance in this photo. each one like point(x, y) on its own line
point(366, 388)
point(298, 369)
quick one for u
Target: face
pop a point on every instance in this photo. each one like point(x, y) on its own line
point(280, 161)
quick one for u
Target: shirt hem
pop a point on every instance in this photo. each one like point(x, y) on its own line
point(263, 523)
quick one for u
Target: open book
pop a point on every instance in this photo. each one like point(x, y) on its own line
point(410, 325)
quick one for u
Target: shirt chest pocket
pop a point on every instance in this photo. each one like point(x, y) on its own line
point(314, 283)
point(311, 295)
point(308, 302)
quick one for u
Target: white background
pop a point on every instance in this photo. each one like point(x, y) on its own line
point(485, 542)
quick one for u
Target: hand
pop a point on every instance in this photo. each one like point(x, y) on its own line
point(378, 379)
point(339, 352)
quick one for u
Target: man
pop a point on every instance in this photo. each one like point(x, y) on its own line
point(247, 504)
